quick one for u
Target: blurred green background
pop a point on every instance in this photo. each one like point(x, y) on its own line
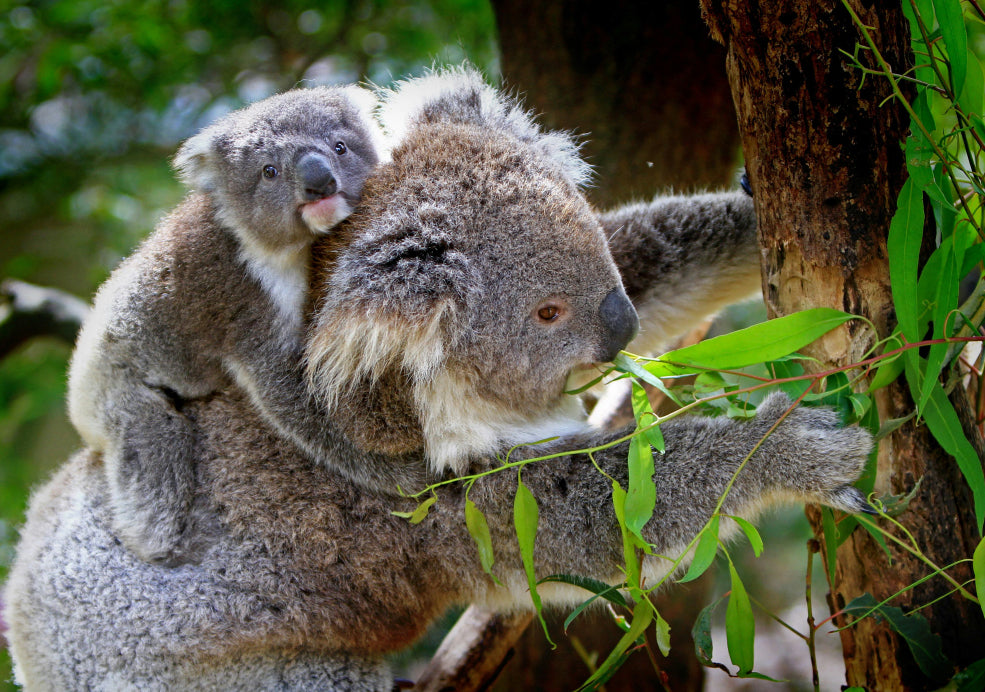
point(94, 98)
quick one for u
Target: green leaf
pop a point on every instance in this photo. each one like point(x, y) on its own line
point(905, 237)
point(645, 417)
point(951, 21)
point(704, 553)
point(978, 563)
point(476, 523)
point(709, 382)
point(629, 543)
point(946, 300)
point(649, 374)
point(641, 497)
point(785, 368)
point(419, 514)
point(740, 627)
point(752, 534)
point(642, 617)
point(701, 634)
point(972, 678)
point(894, 505)
point(663, 634)
point(525, 518)
point(924, 644)
point(759, 343)
point(972, 99)
point(919, 158)
point(598, 588)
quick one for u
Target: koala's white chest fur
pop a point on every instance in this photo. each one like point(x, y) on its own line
point(283, 276)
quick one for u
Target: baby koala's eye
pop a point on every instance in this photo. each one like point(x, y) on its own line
point(341, 148)
point(269, 172)
point(548, 313)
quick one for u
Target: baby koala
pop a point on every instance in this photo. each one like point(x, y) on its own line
point(217, 295)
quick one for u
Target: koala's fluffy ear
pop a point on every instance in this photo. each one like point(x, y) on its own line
point(461, 95)
point(194, 162)
point(397, 296)
point(366, 105)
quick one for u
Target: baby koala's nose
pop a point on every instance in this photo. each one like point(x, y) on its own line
point(315, 176)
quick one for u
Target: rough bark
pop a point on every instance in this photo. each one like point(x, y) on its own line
point(647, 87)
point(823, 154)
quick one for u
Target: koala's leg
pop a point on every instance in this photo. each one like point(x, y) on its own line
point(151, 472)
point(807, 458)
point(683, 258)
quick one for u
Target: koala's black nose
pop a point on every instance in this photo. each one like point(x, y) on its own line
point(315, 176)
point(619, 323)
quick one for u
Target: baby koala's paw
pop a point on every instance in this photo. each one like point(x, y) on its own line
point(813, 457)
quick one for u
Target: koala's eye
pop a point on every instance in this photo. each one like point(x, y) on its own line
point(548, 313)
point(341, 148)
point(270, 172)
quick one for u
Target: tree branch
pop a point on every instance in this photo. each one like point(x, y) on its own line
point(28, 311)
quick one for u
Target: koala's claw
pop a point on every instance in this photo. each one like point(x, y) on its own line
point(849, 499)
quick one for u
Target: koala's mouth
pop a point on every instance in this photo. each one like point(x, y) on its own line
point(583, 376)
point(324, 213)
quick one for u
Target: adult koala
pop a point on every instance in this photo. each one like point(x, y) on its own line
point(450, 309)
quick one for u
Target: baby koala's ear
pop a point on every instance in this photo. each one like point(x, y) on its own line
point(366, 105)
point(195, 162)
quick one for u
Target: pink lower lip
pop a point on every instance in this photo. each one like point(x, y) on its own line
point(322, 214)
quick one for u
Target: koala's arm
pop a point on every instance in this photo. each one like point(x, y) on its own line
point(807, 458)
point(683, 258)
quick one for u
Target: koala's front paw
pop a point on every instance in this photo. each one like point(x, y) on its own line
point(813, 457)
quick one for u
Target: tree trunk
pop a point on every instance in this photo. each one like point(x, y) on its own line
point(647, 87)
point(824, 157)
point(643, 81)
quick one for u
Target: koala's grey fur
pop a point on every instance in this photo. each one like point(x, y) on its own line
point(434, 301)
point(216, 294)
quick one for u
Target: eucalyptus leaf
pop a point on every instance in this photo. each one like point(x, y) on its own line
point(740, 627)
point(422, 510)
point(643, 615)
point(662, 634)
point(752, 534)
point(701, 634)
point(629, 542)
point(951, 21)
point(925, 645)
point(759, 343)
point(525, 518)
point(905, 237)
point(641, 496)
point(478, 527)
point(646, 418)
point(704, 553)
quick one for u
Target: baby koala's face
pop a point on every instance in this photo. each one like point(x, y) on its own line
point(287, 168)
